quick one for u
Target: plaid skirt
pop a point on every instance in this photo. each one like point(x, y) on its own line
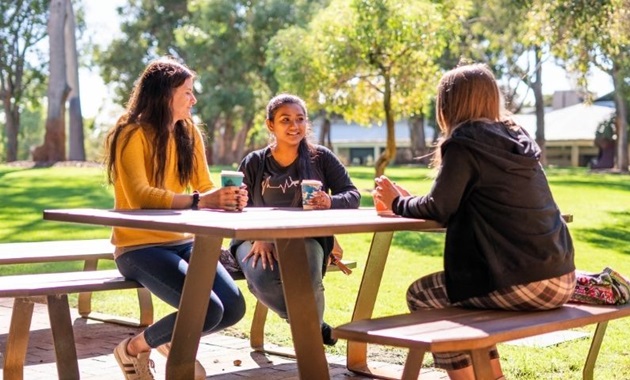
point(429, 292)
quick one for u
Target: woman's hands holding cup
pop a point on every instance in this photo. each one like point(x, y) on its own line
point(385, 193)
point(229, 198)
point(320, 200)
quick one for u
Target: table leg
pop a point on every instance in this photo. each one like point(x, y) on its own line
point(193, 306)
point(300, 301)
point(366, 298)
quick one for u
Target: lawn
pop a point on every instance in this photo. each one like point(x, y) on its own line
point(599, 202)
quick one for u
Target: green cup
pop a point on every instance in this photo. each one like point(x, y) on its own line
point(231, 178)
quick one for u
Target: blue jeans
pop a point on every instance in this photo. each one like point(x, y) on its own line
point(266, 284)
point(162, 270)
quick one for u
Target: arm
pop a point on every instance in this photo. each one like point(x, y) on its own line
point(336, 178)
point(248, 166)
point(454, 180)
point(131, 174)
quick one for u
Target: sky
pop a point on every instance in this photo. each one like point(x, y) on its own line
point(102, 26)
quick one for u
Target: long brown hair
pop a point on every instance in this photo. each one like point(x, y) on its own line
point(465, 93)
point(149, 108)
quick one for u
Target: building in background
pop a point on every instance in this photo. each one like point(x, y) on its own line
point(570, 132)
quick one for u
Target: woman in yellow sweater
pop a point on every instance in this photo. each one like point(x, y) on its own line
point(156, 160)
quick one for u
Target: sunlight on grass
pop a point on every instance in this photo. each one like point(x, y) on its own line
point(599, 202)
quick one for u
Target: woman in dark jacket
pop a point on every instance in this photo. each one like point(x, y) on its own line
point(507, 246)
point(273, 177)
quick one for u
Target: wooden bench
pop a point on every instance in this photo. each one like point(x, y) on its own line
point(473, 331)
point(53, 289)
point(89, 252)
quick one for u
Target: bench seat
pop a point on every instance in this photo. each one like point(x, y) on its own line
point(90, 251)
point(474, 331)
point(53, 288)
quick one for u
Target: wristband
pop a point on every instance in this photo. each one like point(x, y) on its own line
point(195, 201)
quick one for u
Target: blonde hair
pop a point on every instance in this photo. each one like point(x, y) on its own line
point(465, 93)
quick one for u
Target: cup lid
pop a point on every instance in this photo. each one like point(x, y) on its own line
point(233, 173)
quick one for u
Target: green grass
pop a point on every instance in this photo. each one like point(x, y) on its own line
point(600, 204)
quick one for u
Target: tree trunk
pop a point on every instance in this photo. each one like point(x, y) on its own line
point(622, 117)
point(12, 125)
point(324, 131)
point(209, 136)
point(76, 138)
point(240, 140)
point(540, 107)
point(417, 138)
point(390, 150)
point(54, 146)
point(228, 141)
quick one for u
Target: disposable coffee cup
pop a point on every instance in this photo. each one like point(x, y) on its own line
point(381, 209)
point(231, 178)
point(309, 187)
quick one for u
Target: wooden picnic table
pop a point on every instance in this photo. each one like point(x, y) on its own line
point(288, 228)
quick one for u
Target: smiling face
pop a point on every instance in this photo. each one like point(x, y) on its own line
point(183, 100)
point(289, 124)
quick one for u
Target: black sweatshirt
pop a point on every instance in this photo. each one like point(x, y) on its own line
point(503, 225)
point(323, 166)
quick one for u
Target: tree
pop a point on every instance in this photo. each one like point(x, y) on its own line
point(515, 51)
point(588, 33)
point(224, 41)
point(148, 29)
point(22, 26)
point(75, 130)
point(54, 146)
point(299, 69)
point(382, 56)
point(236, 84)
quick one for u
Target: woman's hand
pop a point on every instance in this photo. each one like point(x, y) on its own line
point(320, 200)
point(230, 198)
point(264, 251)
point(386, 191)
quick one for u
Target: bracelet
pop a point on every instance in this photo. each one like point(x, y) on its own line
point(195, 201)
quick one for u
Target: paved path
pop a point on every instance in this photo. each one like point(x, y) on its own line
point(95, 342)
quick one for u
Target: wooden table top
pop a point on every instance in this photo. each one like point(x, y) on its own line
point(250, 224)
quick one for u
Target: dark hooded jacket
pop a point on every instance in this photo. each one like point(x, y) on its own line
point(503, 225)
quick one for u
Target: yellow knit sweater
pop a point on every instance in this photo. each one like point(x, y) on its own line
point(134, 187)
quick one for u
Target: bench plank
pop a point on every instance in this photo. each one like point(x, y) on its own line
point(90, 251)
point(44, 284)
point(58, 250)
point(475, 330)
point(454, 329)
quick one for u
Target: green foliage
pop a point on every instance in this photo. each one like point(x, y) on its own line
point(606, 129)
point(148, 32)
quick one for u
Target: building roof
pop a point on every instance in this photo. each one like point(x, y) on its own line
point(342, 132)
point(576, 122)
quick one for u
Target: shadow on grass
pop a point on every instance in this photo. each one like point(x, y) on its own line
point(612, 236)
point(30, 196)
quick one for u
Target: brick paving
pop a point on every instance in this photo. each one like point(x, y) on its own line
point(96, 340)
